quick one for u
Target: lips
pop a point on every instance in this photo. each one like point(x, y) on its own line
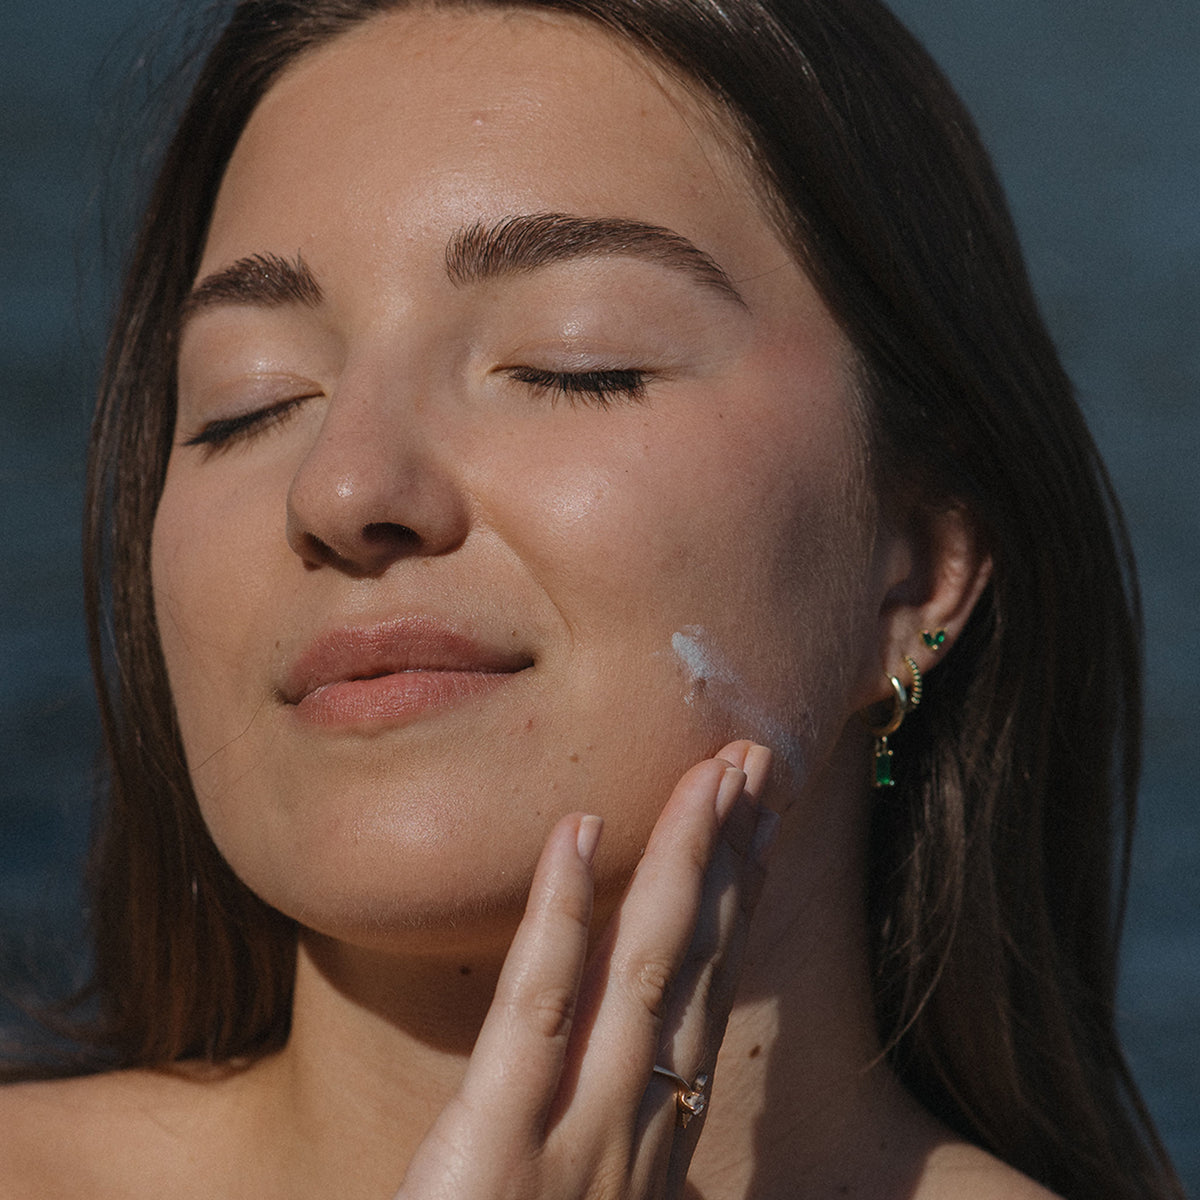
point(393, 672)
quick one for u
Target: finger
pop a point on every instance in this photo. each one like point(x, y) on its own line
point(702, 994)
point(731, 885)
point(703, 991)
point(521, 1046)
point(754, 760)
point(736, 869)
point(626, 987)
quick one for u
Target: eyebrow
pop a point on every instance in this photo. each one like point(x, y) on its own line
point(474, 254)
point(528, 242)
point(265, 280)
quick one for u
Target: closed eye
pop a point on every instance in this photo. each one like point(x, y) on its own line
point(599, 387)
point(220, 434)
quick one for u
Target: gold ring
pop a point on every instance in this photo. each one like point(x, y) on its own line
point(691, 1099)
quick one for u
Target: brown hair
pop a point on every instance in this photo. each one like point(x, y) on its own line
point(991, 893)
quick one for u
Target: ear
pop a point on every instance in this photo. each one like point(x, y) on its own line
point(931, 577)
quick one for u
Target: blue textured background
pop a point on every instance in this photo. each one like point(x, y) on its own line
point(1092, 110)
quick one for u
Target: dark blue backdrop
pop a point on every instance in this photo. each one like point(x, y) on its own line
point(1092, 109)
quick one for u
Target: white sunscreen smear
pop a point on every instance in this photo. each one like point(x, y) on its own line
point(722, 687)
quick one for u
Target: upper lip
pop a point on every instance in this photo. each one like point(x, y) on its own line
point(391, 647)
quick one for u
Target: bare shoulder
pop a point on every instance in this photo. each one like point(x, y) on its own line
point(959, 1171)
point(101, 1135)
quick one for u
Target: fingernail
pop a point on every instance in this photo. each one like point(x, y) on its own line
point(757, 767)
point(765, 833)
point(588, 838)
point(733, 782)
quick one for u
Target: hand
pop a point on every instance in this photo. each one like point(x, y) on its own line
point(559, 1100)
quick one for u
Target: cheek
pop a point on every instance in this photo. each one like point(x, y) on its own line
point(741, 499)
point(720, 568)
point(212, 574)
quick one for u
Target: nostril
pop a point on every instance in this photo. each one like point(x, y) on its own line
point(390, 535)
point(317, 552)
point(379, 544)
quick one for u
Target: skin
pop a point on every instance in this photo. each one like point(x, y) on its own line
point(417, 476)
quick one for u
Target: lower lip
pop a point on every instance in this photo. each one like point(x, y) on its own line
point(395, 699)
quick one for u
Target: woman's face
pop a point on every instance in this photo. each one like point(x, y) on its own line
point(477, 517)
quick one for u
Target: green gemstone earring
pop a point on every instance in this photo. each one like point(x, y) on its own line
point(933, 639)
point(904, 700)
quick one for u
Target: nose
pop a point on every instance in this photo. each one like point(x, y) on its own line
point(373, 488)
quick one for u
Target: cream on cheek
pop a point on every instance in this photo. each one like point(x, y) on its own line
point(778, 673)
point(715, 684)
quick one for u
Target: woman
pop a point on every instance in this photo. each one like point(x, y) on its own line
point(512, 408)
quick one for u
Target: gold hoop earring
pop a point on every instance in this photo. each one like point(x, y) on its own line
point(917, 688)
point(904, 700)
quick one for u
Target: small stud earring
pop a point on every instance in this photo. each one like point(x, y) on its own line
point(933, 639)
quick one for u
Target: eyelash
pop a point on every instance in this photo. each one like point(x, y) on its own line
point(602, 388)
point(217, 435)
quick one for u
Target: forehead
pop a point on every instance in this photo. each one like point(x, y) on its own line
point(425, 119)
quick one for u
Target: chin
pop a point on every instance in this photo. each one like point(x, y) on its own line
point(406, 867)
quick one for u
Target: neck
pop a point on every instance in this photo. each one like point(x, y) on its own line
point(802, 1090)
